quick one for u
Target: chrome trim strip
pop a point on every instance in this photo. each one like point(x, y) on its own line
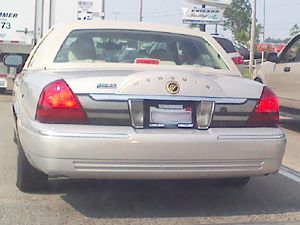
point(250, 137)
point(210, 118)
point(86, 135)
point(121, 97)
point(166, 166)
point(108, 115)
point(133, 121)
point(231, 118)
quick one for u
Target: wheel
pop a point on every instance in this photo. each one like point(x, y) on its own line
point(234, 182)
point(29, 179)
point(2, 90)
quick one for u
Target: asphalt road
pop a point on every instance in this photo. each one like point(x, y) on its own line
point(267, 200)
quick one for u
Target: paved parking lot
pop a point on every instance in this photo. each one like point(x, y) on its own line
point(273, 199)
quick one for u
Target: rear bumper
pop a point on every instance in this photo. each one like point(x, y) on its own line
point(126, 153)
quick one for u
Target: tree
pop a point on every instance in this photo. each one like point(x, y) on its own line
point(238, 21)
point(259, 30)
point(294, 30)
point(276, 40)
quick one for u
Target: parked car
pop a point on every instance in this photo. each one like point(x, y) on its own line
point(79, 115)
point(281, 73)
point(245, 52)
point(229, 47)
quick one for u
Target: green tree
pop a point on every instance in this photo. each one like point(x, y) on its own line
point(238, 20)
point(276, 40)
point(294, 30)
point(258, 32)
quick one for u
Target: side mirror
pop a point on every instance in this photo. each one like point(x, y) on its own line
point(13, 60)
point(272, 57)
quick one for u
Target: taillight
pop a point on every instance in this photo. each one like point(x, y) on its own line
point(238, 60)
point(58, 104)
point(266, 112)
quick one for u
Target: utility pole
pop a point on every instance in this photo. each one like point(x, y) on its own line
point(252, 43)
point(216, 29)
point(141, 10)
point(50, 13)
point(264, 22)
point(203, 26)
point(103, 9)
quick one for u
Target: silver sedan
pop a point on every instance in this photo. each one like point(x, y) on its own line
point(140, 101)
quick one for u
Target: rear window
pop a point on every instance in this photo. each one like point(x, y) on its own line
point(127, 46)
point(226, 44)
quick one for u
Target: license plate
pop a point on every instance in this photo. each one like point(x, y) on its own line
point(171, 115)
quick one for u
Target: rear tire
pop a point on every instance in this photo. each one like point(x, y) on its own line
point(234, 182)
point(29, 179)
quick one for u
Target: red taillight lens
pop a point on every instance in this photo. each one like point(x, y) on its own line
point(238, 60)
point(58, 104)
point(266, 112)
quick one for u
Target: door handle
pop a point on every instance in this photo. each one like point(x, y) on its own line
point(25, 31)
point(287, 69)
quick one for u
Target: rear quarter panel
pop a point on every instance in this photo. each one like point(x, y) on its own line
point(28, 91)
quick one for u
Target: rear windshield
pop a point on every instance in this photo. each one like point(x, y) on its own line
point(126, 46)
point(226, 44)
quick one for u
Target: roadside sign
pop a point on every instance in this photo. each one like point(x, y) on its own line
point(199, 15)
point(267, 47)
point(216, 3)
point(263, 47)
point(85, 10)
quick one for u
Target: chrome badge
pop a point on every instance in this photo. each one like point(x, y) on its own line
point(106, 86)
point(173, 87)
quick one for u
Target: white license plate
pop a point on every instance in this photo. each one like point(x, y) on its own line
point(170, 115)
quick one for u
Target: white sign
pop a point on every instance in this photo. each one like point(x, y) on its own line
point(16, 22)
point(85, 10)
point(198, 15)
point(216, 3)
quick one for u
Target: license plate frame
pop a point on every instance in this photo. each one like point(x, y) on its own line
point(178, 114)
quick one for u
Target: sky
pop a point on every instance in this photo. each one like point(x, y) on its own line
point(281, 15)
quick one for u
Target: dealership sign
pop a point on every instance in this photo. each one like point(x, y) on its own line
point(216, 3)
point(267, 47)
point(198, 15)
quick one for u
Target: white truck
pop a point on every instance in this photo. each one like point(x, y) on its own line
point(23, 23)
